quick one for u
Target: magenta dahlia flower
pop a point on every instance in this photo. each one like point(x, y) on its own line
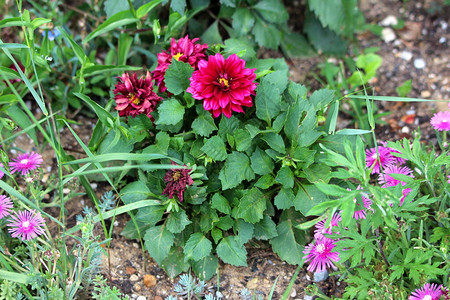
point(26, 225)
point(184, 50)
point(321, 229)
point(135, 96)
point(321, 255)
point(386, 158)
point(177, 180)
point(24, 163)
point(427, 292)
point(441, 121)
point(5, 206)
point(386, 180)
point(224, 85)
point(366, 204)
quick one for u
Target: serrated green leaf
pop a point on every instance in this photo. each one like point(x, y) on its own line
point(242, 139)
point(170, 112)
point(178, 5)
point(232, 252)
point(323, 39)
point(261, 163)
point(268, 101)
point(214, 147)
point(177, 77)
point(266, 35)
point(285, 177)
point(307, 197)
point(284, 199)
point(146, 8)
point(174, 263)
point(114, 6)
point(251, 206)
point(285, 244)
point(204, 124)
point(216, 234)
point(177, 221)
point(272, 11)
point(161, 145)
point(206, 268)
point(158, 241)
point(236, 169)
point(275, 141)
point(242, 48)
point(220, 203)
point(197, 247)
point(150, 214)
point(265, 182)
point(243, 21)
point(225, 223)
point(329, 12)
point(135, 191)
point(321, 98)
point(265, 229)
point(245, 231)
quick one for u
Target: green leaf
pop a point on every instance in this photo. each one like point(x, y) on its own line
point(161, 145)
point(295, 45)
point(107, 69)
point(151, 214)
point(332, 190)
point(285, 244)
point(170, 112)
point(114, 6)
point(404, 89)
point(212, 35)
point(206, 268)
point(265, 229)
point(268, 101)
point(272, 11)
point(16, 277)
point(265, 181)
point(221, 203)
point(251, 206)
point(77, 49)
point(215, 148)
point(177, 77)
point(261, 163)
point(146, 8)
point(225, 223)
point(321, 98)
point(178, 5)
point(266, 35)
point(174, 263)
point(242, 21)
point(285, 177)
point(204, 124)
point(197, 247)
point(120, 19)
point(284, 199)
point(245, 231)
point(275, 141)
point(307, 197)
point(329, 12)
point(232, 252)
point(279, 79)
point(158, 241)
point(103, 115)
point(236, 169)
point(242, 139)
point(134, 191)
point(216, 234)
point(177, 221)
point(228, 126)
point(242, 48)
point(21, 118)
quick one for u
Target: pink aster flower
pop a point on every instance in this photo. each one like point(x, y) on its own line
point(5, 206)
point(321, 229)
point(321, 255)
point(1, 173)
point(364, 203)
point(405, 193)
point(24, 163)
point(135, 96)
point(184, 50)
point(386, 180)
point(177, 180)
point(441, 121)
point(427, 292)
point(26, 225)
point(386, 158)
point(398, 160)
point(224, 85)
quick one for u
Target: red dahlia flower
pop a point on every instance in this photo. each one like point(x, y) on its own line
point(177, 180)
point(224, 85)
point(184, 50)
point(135, 96)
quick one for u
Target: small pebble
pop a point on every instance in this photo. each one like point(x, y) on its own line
point(307, 277)
point(116, 223)
point(389, 21)
point(425, 94)
point(442, 40)
point(252, 284)
point(130, 270)
point(66, 191)
point(158, 298)
point(149, 280)
point(308, 297)
point(134, 296)
point(94, 185)
point(141, 298)
point(294, 293)
point(406, 55)
point(48, 168)
point(320, 276)
point(405, 129)
point(388, 35)
point(419, 63)
point(137, 287)
point(134, 277)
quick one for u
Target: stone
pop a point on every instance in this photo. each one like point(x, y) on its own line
point(389, 21)
point(320, 276)
point(253, 284)
point(406, 55)
point(308, 297)
point(134, 277)
point(149, 280)
point(130, 270)
point(141, 298)
point(158, 298)
point(293, 293)
point(419, 63)
point(388, 35)
point(137, 287)
point(425, 94)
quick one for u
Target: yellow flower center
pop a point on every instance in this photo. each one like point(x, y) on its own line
point(176, 176)
point(178, 55)
point(134, 99)
point(223, 81)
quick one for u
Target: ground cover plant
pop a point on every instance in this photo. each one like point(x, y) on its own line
point(209, 150)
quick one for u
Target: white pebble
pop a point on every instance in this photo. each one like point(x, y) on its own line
point(389, 21)
point(116, 223)
point(141, 298)
point(49, 168)
point(444, 25)
point(419, 63)
point(388, 35)
point(294, 293)
point(134, 296)
point(442, 40)
point(66, 191)
point(308, 297)
point(93, 185)
point(406, 55)
point(405, 129)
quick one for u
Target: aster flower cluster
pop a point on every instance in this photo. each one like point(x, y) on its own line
point(384, 163)
point(320, 253)
point(224, 85)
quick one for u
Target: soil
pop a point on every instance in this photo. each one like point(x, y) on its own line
point(425, 37)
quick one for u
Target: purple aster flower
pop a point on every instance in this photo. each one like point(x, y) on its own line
point(385, 180)
point(26, 162)
point(1, 173)
point(321, 229)
point(177, 180)
point(361, 202)
point(441, 121)
point(398, 160)
point(427, 292)
point(321, 255)
point(386, 158)
point(26, 225)
point(405, 193)
point(5, 206)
